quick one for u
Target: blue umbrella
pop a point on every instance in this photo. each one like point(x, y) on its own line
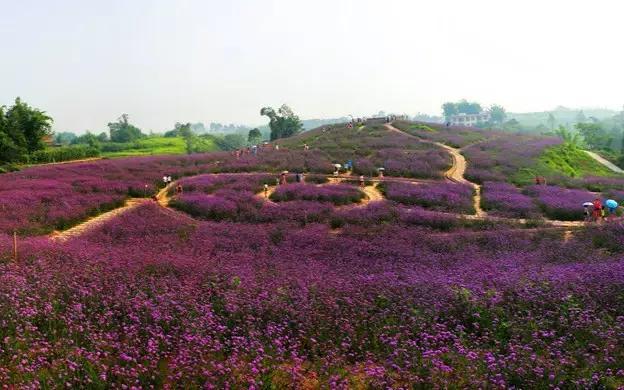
point(610, 203)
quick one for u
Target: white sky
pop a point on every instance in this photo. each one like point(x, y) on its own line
point(87, 61)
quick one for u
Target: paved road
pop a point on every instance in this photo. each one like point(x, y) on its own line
point(605, 162)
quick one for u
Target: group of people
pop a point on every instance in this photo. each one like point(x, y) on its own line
point(596, 211)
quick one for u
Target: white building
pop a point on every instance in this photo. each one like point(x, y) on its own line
point(470, 119)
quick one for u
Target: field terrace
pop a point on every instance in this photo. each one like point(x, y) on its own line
point(313, 287)
point(154, 300)
point(373, 146)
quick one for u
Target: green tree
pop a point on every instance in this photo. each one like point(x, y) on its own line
point(466, 107)
point(498, 114)
point(87, 139)
point(594, 135)
point(184, 131)
point(449, 109)
point(283, 123)
point(64, 137)
point(254, 137)
point(123, 131)
point(580, 117)
point(22, 130)
point(568, 137)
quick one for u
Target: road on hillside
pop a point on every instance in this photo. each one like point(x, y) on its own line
point(605, 162)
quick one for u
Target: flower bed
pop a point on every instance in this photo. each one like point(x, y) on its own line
point(450, 197)
point(506, 200)
point(338, 194)
point(561, 203)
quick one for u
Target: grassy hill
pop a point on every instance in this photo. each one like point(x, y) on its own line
point(155, 145)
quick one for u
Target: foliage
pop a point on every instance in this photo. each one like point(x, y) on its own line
point(283, 123)
point(64, 137)
point(461, 107)
point(595, 135)
point(22, 129)
point(123, 131)
point(63, 153)
point(569, 137)
point(254, 137)
point(497, 114)
point(230, 141)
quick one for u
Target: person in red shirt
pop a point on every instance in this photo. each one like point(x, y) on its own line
point(597, 209)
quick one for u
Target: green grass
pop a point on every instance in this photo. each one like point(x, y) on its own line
point(158, 145)
point(563, 160)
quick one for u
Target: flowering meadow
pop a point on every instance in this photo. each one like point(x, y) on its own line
point(371, 147)
point(561, 203)
point(312, 288)
point(441, 196)
point(506, 200)
point(455, 136)
point(501, 158)
point(338, 194)
point(152, 300)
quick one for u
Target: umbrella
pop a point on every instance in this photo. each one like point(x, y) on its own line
point(610, 203)
point(586, 204)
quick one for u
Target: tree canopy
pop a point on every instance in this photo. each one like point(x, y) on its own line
point(595, 136)
point(254, 137)
point(22, 130)
point(461, 107)
point(497, 114)
point(123, 131)
point(283, 122)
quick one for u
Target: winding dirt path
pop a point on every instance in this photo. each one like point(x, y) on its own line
point(92, 223)
point(371, 191)
point(457, 170)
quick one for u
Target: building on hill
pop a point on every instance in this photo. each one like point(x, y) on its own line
point(470, 119)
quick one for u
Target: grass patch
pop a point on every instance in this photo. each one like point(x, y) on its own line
point(156, 145)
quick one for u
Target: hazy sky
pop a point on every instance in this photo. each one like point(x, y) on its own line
point(161, 61)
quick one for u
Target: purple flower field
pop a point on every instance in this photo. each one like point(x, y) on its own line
point(441, 196)
point(499, 159)
point(561, 203)
point(151, 300)
point(455, 136)
point(372, 147)
point(506, 200)
point(338, 194)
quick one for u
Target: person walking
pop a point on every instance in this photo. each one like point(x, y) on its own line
point(179, 189)
point(298, 177)
point(361, 180)
point(597, 210)
point(283, 178)
point(266, 191)
point(587, 212)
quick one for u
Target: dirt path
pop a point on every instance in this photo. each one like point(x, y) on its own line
point(371, 191)
point(457, 170)
point(92, 223)
point(63, 162)
point(605, 162)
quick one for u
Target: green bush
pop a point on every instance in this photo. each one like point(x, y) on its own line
point(64, 153)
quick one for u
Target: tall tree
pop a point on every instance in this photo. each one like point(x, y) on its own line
point(22, 129)
point(498, 114)
point(449, 109)
point(283, 123)
point(594, 135)
point(254, 137)
point(184, 130)
point(580, 117)
point(123, 131)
